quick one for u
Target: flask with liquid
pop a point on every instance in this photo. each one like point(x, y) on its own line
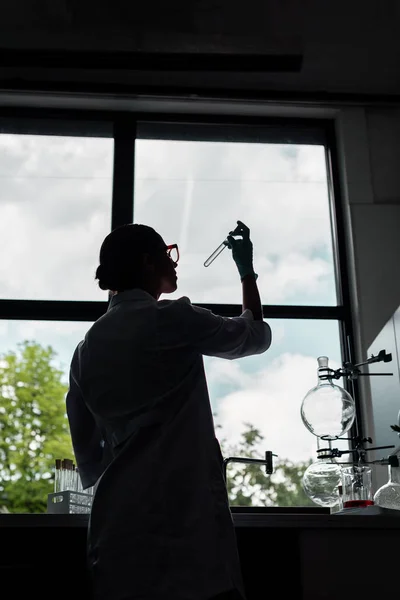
point(388, 496)
point(322, 479)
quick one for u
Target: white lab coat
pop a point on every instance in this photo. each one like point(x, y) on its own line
point(142, 427)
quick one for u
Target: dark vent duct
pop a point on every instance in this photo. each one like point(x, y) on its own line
point(151, 61)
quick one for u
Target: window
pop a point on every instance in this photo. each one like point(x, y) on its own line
point(55, 209)
point(55, 203)
point(194, 192)
point(70, 179)
point(192, 184)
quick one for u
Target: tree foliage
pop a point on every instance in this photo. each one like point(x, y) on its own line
point(249, 485)
point(33, 426)
point(34, 431)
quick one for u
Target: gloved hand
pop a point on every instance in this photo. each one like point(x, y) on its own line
point(242, 250)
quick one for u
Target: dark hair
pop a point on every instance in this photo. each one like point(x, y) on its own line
point(121, 256)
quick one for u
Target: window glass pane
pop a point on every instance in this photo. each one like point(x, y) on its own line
point(194, 192)
point(34, 429)
point(266, 392)
point(55, 210)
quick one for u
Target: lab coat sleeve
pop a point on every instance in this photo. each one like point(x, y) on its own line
point(87, 440)
point(213, 335)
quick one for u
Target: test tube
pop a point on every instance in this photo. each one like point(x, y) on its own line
point(62, 476)
point(70, 475)
point(57, 476)
point(216, 253)
point(78, 481)
point(67, 463)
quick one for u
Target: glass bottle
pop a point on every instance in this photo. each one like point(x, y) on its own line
point(388, 496)
point(321, 480)
point(327, 409)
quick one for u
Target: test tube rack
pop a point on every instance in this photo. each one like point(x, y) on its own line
point(68, 497)
point(69, 502)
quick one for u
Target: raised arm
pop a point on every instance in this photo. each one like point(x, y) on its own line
point(242, 253)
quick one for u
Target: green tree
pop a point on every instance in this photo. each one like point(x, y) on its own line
point(33, 427)
point(249, 485)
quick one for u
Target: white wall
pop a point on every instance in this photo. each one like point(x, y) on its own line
point(370, 160)
point(369, 145)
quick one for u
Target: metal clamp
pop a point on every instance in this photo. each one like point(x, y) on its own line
point(353, 372)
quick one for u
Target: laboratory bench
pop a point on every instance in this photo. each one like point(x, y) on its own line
point(302, 555)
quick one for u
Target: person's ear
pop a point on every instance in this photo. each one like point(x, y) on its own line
point(148, 263)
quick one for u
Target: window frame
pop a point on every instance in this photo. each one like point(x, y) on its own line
point(125, 128)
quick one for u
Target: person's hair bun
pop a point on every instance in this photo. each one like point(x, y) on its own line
point(102, 277)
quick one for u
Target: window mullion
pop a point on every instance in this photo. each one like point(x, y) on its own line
point(280, 311)
point(52, 310)
point(124, 171)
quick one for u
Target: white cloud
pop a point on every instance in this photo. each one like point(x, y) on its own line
point(193, 193)
point(55, 210)
point(34, 330)
point(270, 400)
point(291, 279)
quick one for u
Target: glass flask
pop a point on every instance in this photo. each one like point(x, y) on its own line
point(327, 409)
point(388, 496)
point(321, 480)
point(357, 486)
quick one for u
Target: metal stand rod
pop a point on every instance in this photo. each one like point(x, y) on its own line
point(269, 469)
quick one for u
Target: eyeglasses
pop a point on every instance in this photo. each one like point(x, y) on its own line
point(173, 252)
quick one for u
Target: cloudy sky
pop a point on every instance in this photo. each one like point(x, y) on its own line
point(55, 208)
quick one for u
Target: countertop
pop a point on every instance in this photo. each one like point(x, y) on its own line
point(300, 551)
point(386, 520)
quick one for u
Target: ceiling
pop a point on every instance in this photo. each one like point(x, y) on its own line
point(347, 47)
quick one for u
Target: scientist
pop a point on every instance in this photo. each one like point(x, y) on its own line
point(142, 427)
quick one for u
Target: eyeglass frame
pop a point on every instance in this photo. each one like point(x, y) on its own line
point(169, 250)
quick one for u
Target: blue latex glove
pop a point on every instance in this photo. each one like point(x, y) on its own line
point(242, 250)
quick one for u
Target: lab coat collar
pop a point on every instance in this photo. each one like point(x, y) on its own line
point(131, 295)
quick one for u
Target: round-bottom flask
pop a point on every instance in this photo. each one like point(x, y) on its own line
point(322, 479)
point(388, 496)
point(327, 410)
